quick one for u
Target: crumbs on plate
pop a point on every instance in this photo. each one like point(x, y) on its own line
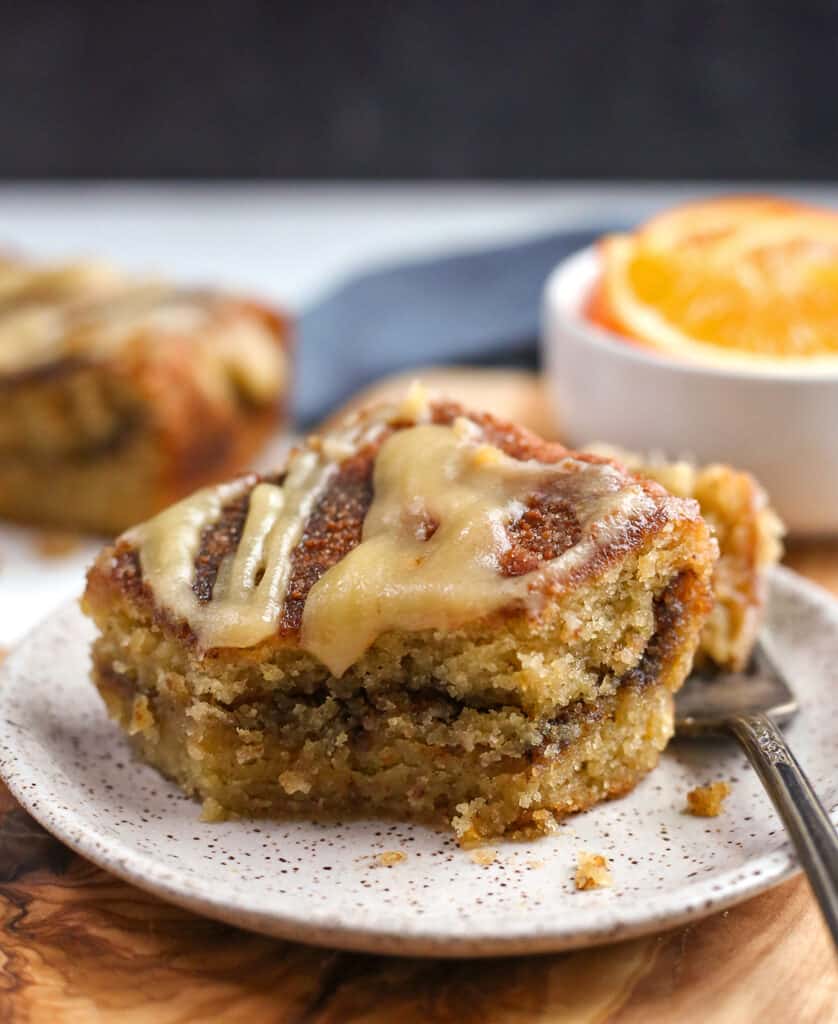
point(212, 810)
point(484, 857)
point(390, 857)
point(706, 801)
point(592, 871)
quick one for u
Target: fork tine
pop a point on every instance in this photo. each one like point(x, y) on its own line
point(710, 698)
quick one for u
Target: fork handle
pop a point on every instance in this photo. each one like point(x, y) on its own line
point(806, 821)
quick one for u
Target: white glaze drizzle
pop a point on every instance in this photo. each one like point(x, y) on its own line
point(431, 544)
point(445, 481)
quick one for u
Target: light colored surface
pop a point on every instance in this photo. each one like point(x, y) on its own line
point(72, 769)
point(31, 583)
point(782, 428)
point(290, 241)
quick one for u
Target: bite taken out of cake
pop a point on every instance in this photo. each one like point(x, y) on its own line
point(427, 613)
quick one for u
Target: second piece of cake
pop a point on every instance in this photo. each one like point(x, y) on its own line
point(119, 395)
point(427, 614)
point(749, 534)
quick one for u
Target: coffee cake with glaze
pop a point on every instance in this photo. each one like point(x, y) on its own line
point(119, 395)
point(428, 614)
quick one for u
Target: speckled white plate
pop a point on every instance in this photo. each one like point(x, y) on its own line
point(72, 769)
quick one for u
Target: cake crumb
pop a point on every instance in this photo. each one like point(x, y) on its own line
point(484, 857)
point(534, 864)
point(212, 810)
point(592, 871)
point(292, 782)
point(142, 720)
point(706, 801)
point(56, 543)
point(390, 857)
point(3, 652)
point(545, 822)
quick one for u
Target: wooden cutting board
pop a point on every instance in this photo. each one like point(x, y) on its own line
point(77, 945)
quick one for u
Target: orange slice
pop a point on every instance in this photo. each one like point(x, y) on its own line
point(705, 221)
point(750, 281)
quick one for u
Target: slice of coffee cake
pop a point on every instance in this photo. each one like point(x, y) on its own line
point(119, 395)
point(428, 614)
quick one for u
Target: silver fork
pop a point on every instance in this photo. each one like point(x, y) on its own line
point(747, 705)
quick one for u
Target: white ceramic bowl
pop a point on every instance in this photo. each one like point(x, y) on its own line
point(782, 427)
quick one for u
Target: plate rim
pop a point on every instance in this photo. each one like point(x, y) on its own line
point(141, 869)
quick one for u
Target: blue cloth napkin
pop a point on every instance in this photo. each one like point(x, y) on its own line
point(479, 307)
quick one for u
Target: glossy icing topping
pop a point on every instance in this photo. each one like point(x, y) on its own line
point(431, 545)
point(435, 533)
point(50, 313)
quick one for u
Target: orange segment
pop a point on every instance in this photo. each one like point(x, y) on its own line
point(747, 280)
point(704, 221)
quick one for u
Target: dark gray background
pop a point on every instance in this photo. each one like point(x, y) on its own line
point(419, 90)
